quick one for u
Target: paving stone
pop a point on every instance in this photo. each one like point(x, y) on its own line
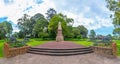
point(76, 59)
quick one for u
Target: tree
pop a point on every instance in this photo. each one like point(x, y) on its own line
point(76, 32)
point(6, 29)
point(50, 13)
point(114, 6)
point(25, 25)
point(2, 31)
point(36, 17)
point(40, 26)
point(21, 34)
point(92, 35)
point(109, 36)
point(70, 21)
point(116, 32)
point(53, 25)
point(83, 31)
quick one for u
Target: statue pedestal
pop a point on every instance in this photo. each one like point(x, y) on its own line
point(59, 36)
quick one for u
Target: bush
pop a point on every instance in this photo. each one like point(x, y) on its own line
point(14, 43)
point(104, 41)
point(43, 35)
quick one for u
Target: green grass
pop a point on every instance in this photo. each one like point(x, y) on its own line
point(1, 47)
point(84, 43)
point(118, 46)
point(34, 42)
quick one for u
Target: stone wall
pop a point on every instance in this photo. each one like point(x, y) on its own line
point(11, 52)
point(106, 51)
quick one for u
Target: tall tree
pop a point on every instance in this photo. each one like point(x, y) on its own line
point(117, 32)
point(83, 31)
point(70, 21)
point(114, 6)
point(53, 25)
point(40, 26)
point(76, 32)
point(2, 31)
point(50, 13)
point(92, 35)
point(25, 25)
point(6, 29)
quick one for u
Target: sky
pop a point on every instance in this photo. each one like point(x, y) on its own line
point(93, 14)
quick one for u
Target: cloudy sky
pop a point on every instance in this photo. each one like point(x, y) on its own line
point(93, 14)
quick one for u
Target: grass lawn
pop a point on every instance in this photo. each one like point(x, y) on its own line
point(1, 47)
point(118, 46)
point(84, 43)
point(34, 42)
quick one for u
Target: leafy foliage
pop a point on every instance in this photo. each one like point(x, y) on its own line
point(50, 13)
point(92, 35)
point(53, 25)
point(40, 26)
point(114, 6)
point(104, 41)
point(25, 25)
point(5, 29)
point(15, 43)
point(83, 31)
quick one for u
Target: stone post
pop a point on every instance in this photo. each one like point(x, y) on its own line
point(114, 49)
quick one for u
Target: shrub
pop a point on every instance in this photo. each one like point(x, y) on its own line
point(15, 43)
point(104, 41)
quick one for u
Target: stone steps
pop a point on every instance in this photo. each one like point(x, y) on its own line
point(60, 52)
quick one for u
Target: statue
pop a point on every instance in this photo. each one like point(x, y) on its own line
point(59, 36)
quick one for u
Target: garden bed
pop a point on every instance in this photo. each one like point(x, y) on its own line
point(11, 52)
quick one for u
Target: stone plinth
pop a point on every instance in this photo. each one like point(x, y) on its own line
point(59, 36)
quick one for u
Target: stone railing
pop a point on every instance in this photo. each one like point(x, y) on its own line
point(106, 51)
point(11, 52)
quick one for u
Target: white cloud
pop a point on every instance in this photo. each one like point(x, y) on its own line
point(90, 23)
point(15, 10)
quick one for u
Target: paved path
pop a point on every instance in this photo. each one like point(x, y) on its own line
point(60, 45)
point(43, 59)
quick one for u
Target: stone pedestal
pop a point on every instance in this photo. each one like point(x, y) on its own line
point(59, 36)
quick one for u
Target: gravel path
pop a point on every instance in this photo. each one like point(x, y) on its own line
point(76, 59)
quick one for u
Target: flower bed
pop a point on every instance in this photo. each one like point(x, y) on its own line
point(11, 52)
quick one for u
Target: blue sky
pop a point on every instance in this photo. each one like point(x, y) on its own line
point(92, 14)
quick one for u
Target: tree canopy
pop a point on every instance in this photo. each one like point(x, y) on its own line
point(53, 24)
point(5, 29)
point(39, 26)
point(114, 6)
point(92, 35)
